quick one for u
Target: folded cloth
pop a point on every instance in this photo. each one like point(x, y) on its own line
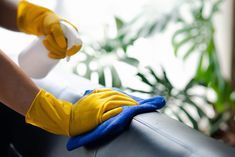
point(116, 125)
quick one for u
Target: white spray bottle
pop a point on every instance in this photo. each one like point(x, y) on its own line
point(34, 59)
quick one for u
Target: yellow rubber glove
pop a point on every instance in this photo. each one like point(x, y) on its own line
point(40, 21)
point(63, 118)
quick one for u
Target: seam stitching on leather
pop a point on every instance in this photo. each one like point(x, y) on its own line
point(167, 135)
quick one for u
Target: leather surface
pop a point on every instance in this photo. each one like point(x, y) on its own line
point(150, 135)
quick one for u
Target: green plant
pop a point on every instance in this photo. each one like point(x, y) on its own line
point(199, 36)
point(185, 105)
point(106, 53)
point(195, 36)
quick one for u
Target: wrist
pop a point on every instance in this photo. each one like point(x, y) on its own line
point(49, 113)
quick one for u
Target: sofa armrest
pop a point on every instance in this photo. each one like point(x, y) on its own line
point(150, 134)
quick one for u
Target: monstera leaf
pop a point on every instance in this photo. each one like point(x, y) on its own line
point(111, 50)
point(184, 105)
point(198, 37)
point(104, 67)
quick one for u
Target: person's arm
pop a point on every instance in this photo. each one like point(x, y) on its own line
point(41, 108)
point(17, 91)
point(8, 13)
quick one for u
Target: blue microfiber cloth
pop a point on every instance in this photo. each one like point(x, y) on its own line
point(116, 125)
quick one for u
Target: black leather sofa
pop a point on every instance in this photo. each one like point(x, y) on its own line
point(150, 135)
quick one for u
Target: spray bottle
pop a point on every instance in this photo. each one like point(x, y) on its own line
point(34, 59)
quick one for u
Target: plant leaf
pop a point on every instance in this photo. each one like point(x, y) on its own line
point(189, 51)
point(192, 120)
point(101, 76)
point(140, 91)
point(119, 23)
point(144, 79)
point(130, 61)
point(116, 82)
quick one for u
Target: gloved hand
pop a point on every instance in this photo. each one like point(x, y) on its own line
point(63, 118)
point(40, 21)
point(116, 125)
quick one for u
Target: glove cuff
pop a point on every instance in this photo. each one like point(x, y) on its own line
point(49, 113)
